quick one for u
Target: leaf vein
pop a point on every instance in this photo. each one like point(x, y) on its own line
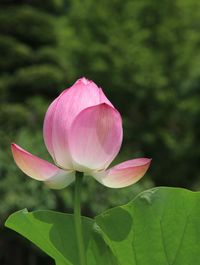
point(181, 240)
point(164, 247)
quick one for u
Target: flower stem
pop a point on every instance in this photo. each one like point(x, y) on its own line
point(77, 218)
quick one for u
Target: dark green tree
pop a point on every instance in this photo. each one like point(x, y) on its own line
point(30, 74)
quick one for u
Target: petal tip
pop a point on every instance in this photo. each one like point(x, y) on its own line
point(147, 161)
point(13, 145)
point(14, 148)
point(84, 81)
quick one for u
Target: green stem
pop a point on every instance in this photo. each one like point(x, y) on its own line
point(77, 218)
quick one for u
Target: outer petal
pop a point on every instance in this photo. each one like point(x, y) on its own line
point(124, 174)
point(48, 126)
point(40, 169)
point(95, 137)
point(61, 113)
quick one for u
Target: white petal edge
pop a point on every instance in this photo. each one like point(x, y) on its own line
point(61, 180)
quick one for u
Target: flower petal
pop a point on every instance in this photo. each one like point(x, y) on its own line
point(61, 113)
point(95, 137)
point(61, 180)
point(123, 174)
point(40, 169)
point(48, 126)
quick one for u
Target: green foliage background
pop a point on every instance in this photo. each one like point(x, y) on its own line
point(145, 54)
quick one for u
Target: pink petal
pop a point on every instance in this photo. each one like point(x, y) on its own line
point(61, 113)
point(40, 169)
point(123, 174)
point(95, 137)
point(48, 126)
point(61, 180)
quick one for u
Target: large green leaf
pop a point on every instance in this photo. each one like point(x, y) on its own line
point(54, 233)
point(160, 227)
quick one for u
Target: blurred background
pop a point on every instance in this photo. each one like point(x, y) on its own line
point(145, 54)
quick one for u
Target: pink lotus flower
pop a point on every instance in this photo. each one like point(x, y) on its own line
point(82, 132)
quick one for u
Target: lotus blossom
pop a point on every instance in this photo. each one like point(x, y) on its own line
point(82, 132)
